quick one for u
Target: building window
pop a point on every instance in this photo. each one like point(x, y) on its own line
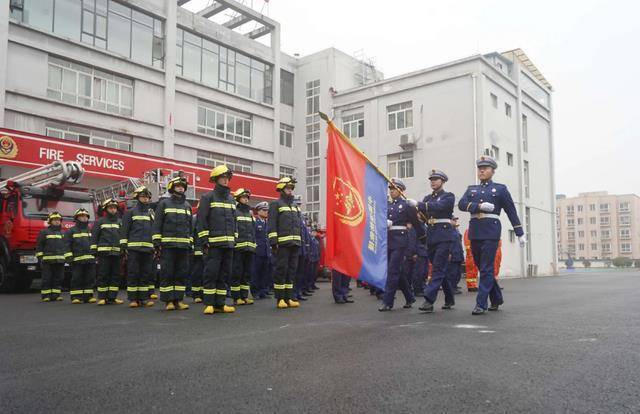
point(312, 139)
point(581, 246)
point(286, 135)
point(571, 235)
point(625, 234)
point(580, 221)
point(592, 207)
point(510, 159)
point(594, 233)
point(512, 236)
point(211, 64)
point(525, 134)
point(313, 97)
point(606, 247)
point(580, 208)
point(526, 179)
point(604, 221)
point(604, 207)
point(570, 209)
point(85, 86)
point(581, 234)
point(507, 109)
point(605, 234)
point(400, 165)
point(286, 87)
point(88, 136)
point(212, 159)
point(570, 222)
point(624, 207)
point(224, 123)
point(494, 101)
point(625, 248)
point(353, 125)
point(594, 246)
point(496, 152)
point(592, 220)
point(625, 220)
point(287, 171)
point(100, 23)
point(400, 116)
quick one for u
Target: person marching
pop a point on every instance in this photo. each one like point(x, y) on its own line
point(456, 258)
point(245, 249)
point(421, 265)
point(197, 263)
point(50, 249)
point(137, 246)
point(81, 259)
point(284, 229)
point(398, 216)
point(314, 260)
point(438, 208)
point(262, 267)
point(105, 241)
point(172, 241)
point(216, 230)
point(485, 201)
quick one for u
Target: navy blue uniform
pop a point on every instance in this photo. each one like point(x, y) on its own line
point(484, 233)
point(340, 286)
point(300, 284)
point(262, 265)
point(457, 257)
point(438, 207)
point(421, 265)
point(314, 259)
point(399, 213)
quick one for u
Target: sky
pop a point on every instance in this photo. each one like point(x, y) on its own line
point(588, 50)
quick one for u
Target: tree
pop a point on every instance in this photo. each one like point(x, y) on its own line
point(622, 262)
point(586, 263)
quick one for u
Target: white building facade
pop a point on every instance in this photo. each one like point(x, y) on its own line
point(152, 77)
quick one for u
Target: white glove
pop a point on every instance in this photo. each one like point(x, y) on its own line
point(486, 207)
point(412, 202)
point(522, 240)
point(389, 223)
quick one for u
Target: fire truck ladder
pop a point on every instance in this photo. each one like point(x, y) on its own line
point(116, 190)
point(54, 174)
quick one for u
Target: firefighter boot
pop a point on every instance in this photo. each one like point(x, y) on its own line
point(282, 304)
point(59, 299)
point(153, 296)
point(181, 306)
point(102, 302)
point(117, 302)
point(170, 306)
point(197, 300)
point(228, 309)
point(293, 304)
point(248, 301)
point(76, 301)
point(134, 304)
point(209, 310)
point(148, 304)
point(240, 302)
point(46, 299)
point(92, 300)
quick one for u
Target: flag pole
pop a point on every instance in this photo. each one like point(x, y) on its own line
point(355, 147)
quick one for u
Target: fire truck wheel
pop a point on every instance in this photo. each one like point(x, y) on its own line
point(7, 282)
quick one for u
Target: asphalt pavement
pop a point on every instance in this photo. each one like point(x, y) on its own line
point(559, 344)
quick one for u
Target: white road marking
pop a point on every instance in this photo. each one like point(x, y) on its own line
point(465, 326)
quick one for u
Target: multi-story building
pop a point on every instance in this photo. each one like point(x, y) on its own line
point(151, 77)
point(598, 226)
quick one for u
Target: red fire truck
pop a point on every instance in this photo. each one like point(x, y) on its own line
point(107, 173)
point(27, 199)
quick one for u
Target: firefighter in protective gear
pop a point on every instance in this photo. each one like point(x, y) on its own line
point(284, 230)
point(216, 230)
point(197, 264)
point(173, 241)
point(79, 255)
point(245, 249)
point(136, 244)
point(105, 244)
point(50, 250)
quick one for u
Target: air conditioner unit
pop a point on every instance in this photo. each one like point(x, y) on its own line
point(407, 141)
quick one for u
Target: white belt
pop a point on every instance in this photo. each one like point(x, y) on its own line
point(398, 228)
point(485, 216)
point(433, 221)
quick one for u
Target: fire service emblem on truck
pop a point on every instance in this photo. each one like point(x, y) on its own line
point(8, 147)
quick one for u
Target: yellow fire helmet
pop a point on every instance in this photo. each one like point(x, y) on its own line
point(241, 192)
point(219, 171)
point(109, 202)
point(81, 212)
point(177, 181)
point(286, 182)
point(53, 215)
point(142, 190)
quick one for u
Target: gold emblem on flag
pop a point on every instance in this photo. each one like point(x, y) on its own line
point(8, 147)
point(349, 206)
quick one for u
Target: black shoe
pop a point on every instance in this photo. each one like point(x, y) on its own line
point(472, 289)
point(426, 307)
point(448, 305)
point(379, 296)
point(307, 294)
point(348, 300)
point(408, 305)
point(477, 311)
point(341, 301)
point(457, 291)
point(495, 306)
point(301, 298)
point(314, 287)
point(385, 308)
point(349, 295)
